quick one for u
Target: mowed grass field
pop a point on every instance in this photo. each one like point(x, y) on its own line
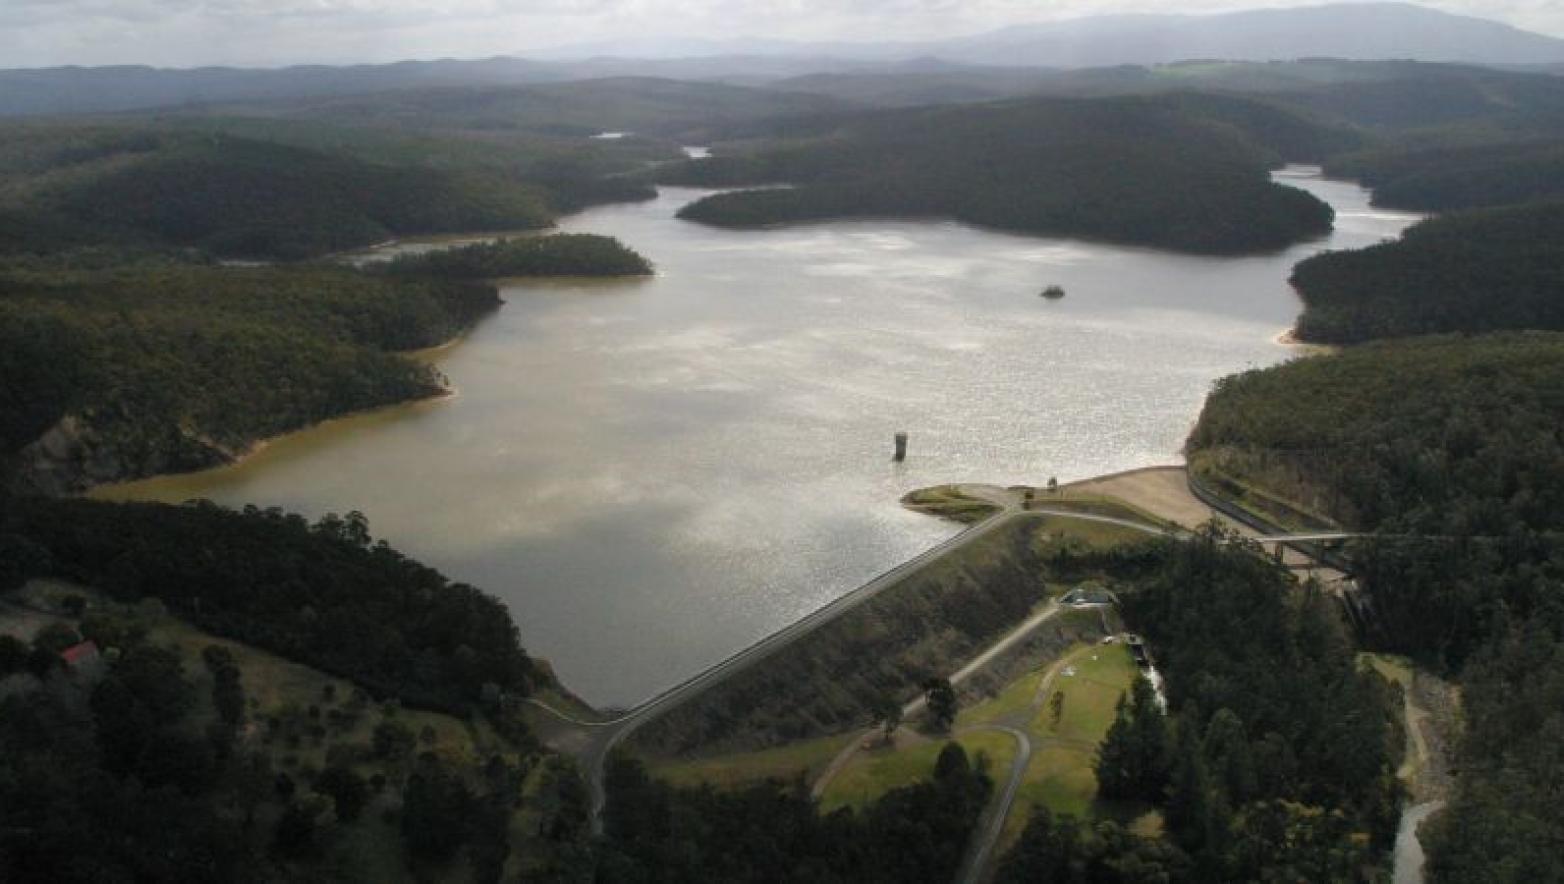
point(803, 759)
point(873, 772)
point(1089, 679)
point(1060, 776)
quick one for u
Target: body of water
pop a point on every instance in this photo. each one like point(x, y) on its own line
point(654, 473)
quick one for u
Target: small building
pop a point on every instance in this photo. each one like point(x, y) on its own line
point(1089, 595)
point(83, 658)
point(1137, 647)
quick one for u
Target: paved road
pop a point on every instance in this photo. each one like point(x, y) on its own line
point(915, 707)
point(992, 824)
point(598, 738)
point(985, 837)
point(603, 736)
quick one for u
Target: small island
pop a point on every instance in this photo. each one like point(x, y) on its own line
point(1053, 292)
point(562, 254)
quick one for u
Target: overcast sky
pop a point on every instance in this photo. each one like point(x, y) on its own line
point(180, 33)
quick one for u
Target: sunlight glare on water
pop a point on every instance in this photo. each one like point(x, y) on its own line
point(655, 473)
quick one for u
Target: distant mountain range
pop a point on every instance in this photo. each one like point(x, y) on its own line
point(1347, 31)
point(1364, 31)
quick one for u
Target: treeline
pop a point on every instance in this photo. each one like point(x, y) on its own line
point(1276, 757)
point(140, 369)
point(123, 786)
point(240, 198)
point(562, 254)
point(1477, 271)
point(772, 832)
point(1431, 100)
point(1448, 449)
point(1180, 172)
point(323, 594)
point(1446, 178)
point(141, 767)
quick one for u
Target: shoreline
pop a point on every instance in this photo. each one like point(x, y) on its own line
point(1288, 337)
point(425, 356)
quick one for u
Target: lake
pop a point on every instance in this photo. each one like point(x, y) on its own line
point(654, 473)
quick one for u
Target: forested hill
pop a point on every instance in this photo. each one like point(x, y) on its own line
point(324, 594)
point(683, 109)
point(1477, 271)
point(1446, 178)
point(1450, 446)
point(233, 197)
point(132, 371)
point(561, 254)
point(1181, 172)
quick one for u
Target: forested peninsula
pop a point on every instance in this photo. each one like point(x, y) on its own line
point(132, 371)
point(562, 254)
point(1446, 178)
point(1187, 173)
point(127, 336)
point(1477, 271)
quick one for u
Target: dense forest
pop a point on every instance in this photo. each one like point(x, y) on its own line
point(135, 370)
point(236, 197)
point(323, 594)
point(1438, 101)
point(680, 109)
point(1448, 449)
point(1444, 178)
point(139, 763)
point(1276, 757)
point(772, 831)
point(1179, 172)
point(562, 254)
point(1477, 271)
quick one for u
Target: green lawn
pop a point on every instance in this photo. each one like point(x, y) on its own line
point(1060, 774)
point(1102, 674)
point(1015, 697)
point(875, 772)
point(1095, 534)
point(807, 758)
point(1391, 666)
point(1059, 778)
point(1099, 505)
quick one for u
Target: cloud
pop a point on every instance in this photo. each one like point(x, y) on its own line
point(273, 32)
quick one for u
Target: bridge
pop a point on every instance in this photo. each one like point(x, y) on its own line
point(1317, 537)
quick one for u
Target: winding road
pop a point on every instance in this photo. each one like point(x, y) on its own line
point(591, 742)
point(594, 740)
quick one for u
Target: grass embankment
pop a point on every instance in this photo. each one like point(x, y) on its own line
point(1089, 680)
point(1061, 773)
point(877, 771)
point(949, 502)
point(971, 504)
point(804, 759)
point(873, 770)
point(928, 625)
